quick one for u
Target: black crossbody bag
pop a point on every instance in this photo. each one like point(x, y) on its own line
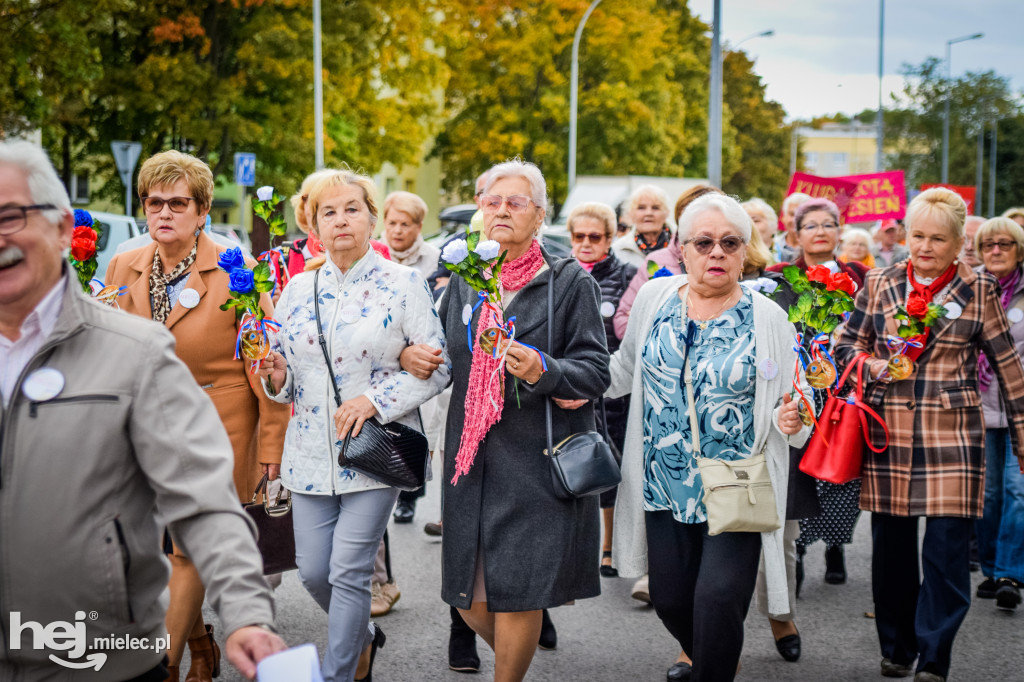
point(393, 454)
point(583, 463)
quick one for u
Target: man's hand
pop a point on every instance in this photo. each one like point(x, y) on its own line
point(249, 645)
point(352, 415)
point(420, 360)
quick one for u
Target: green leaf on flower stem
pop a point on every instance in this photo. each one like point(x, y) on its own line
point(830, 325)
point(652, 268)
point(795, 315)
point(793, 274)
point(472, 240)
point(264, 286)
point(905, 332)
point(226, 306)
point(261, 272)
point(805, 302)
point(801, 287)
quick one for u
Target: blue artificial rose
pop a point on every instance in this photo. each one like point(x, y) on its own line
point(242, 281)
point(663, 272)
point(231, 260)
point(82, 217)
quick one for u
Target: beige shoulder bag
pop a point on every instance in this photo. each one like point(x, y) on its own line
point(738, 495)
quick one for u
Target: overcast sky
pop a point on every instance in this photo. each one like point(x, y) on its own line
point(823, 57)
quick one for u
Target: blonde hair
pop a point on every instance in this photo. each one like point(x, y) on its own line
point(764, 208)
point(166, 168)
point(758, 256)
point(1015, 212)
point(853, 233)
point(795, 198)
point(299, 199)
point(406, 202)
point(941, 204)
point(598, 211)
point(1000, 225)
point(649, 191)
point(343, 178)
point(690, 195)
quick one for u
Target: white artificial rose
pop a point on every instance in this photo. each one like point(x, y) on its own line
point(265, 193)
point(455, 252)
point(488, 249)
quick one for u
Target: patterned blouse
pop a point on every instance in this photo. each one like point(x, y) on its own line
point(722, 361)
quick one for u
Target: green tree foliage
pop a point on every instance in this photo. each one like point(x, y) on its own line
point(913, 128)
point(213, 77)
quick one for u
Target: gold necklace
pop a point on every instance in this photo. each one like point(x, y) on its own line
point(703, 324)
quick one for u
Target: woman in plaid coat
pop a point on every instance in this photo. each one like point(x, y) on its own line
point(934, 465)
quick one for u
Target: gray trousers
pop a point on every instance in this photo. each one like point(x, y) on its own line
point(336, 540)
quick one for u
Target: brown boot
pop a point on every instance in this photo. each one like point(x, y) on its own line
point(172, 673)
point(205, 658)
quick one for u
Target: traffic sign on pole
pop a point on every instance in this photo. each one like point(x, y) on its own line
point(126, 155)
point(245, 169)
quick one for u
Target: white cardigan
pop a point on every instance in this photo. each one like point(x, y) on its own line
point(775, 337)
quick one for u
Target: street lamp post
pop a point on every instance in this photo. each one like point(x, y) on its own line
point(715, 105)
point(945, 116)
point(318, 89)
point(573, 92)
point(881, 55)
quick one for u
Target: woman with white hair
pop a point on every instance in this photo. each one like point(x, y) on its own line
point(737, 345)
point(766, 222)
point(648, 212)
point(855, 245)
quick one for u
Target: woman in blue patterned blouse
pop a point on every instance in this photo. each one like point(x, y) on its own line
point(739, 346)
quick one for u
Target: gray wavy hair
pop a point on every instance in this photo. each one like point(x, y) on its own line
point(726, 205)
point(44, 185)
point(517, 168)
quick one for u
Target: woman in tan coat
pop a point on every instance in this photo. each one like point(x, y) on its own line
point(175, 281)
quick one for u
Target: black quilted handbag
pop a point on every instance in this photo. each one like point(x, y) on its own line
point(394, 454)
point(583, 463)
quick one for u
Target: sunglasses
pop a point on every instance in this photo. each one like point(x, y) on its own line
point(492, 202)
point(704, 245)
point(1003, 245)
point(593, 238)
point(156, 204)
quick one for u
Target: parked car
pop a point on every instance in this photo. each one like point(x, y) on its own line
point(114, 230)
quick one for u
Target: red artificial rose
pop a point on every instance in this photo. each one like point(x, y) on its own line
point(83, 232)
point(916, 307)
point(819, 274)
point(83, 249)
point(841, 282)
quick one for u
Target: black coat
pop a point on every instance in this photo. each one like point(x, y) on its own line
point(539, 551)
point(613, 276)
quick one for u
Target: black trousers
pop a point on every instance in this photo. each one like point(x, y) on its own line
point(919, 618)
point(701, 588)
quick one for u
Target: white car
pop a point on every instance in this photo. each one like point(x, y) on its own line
point(114, 230)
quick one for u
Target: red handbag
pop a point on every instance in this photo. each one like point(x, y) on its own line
point(836, 447)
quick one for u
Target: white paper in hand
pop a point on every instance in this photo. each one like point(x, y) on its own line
point(300, 664)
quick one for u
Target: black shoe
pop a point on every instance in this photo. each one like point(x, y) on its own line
point(892, 669)
point(378, 643)
point(433, 529)
point(606, 569)
point(800, 551)
point(404, 511)
point(548, 639)
point(987, 589)
point(789, 647)
point(1007, 594)
point(462, 655)
point(835, 565)
point(679, 672)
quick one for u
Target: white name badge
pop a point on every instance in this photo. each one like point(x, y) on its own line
point(189, 298)
point(43, 384)
point(1015, 315)
point(607, 309)
point(769, 369)
point(954, 311)
point(351, 313)
point(467, 314)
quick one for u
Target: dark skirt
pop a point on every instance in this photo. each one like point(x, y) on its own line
point(840, 509)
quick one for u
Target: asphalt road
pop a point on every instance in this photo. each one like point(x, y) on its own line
point(613, 637)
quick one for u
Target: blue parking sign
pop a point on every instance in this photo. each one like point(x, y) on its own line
point(245, 169)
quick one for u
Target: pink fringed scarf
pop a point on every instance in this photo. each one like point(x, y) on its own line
point(483, 397)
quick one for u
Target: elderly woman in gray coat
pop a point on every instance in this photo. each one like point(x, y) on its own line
point(738, 346)
point(511, 547)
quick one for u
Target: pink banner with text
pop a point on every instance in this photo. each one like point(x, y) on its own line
point(879, 196)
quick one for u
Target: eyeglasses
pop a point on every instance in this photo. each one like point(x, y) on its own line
point(516, 203)
point(814, 226)
point(704, 245)
point(14, 218)
point(1003, 245)
point(593, 238)
point(176, 204)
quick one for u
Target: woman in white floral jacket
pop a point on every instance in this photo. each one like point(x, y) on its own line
point(370, 310)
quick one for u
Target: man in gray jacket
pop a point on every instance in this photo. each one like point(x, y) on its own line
point(105, 439)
